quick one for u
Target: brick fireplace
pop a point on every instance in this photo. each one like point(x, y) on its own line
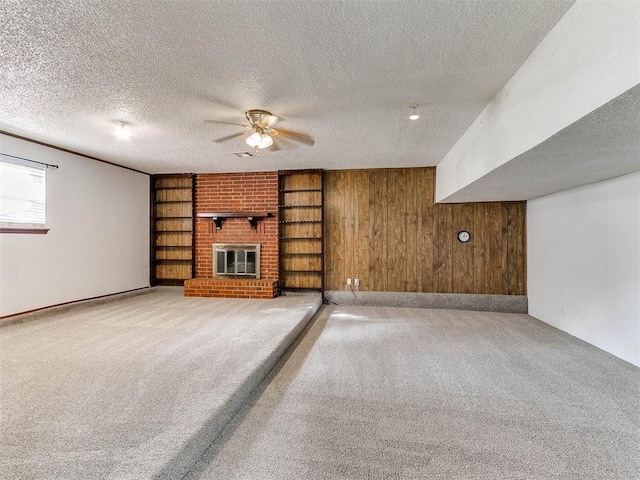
point(236, 192)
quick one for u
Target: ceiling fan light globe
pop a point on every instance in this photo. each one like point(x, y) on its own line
point(414, 116)
point(265, 141)
point(254, 139)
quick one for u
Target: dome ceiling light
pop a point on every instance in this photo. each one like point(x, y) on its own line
point(123, 131)
point(414, 115)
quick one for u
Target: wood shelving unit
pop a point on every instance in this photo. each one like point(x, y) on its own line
point(301, 230)
point(172, 229)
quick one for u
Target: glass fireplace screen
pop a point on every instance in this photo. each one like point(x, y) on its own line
point(236, 260)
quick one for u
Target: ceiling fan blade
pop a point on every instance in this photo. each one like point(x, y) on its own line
point(274, 147)
point(228, 123)
point(297, 137)
point(229, 137)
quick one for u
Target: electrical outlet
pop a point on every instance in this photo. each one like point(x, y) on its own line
point(348, 281)
point(356, 282)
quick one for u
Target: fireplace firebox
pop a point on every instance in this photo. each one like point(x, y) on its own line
point(236, 260)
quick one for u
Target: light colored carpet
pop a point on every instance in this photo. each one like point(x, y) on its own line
point(398, 393)
point(136, 388)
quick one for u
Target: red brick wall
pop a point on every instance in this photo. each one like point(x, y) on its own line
point(230, 288)
point(237, 192)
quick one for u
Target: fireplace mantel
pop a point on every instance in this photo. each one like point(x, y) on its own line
point(252, 217)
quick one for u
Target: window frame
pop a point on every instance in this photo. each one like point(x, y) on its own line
point(26, 228)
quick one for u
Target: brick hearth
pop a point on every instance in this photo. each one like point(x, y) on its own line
point(230, 288)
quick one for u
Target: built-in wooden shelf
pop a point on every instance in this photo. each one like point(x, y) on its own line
point(301, 231)
point(172, 229)
point(252, 217)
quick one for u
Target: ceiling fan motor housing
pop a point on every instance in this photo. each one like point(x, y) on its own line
point(260, 118)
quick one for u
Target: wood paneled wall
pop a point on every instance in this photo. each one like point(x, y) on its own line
point(382, 227)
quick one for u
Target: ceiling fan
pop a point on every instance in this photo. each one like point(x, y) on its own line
point(260, 131)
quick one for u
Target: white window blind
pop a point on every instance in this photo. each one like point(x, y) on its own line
point(22, 195)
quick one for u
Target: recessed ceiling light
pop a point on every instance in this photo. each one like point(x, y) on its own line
point(123, 132)
point(414, 115)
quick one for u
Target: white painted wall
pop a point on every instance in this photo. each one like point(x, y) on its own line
point(590, 57)
point(584, 263)
point(99, 238)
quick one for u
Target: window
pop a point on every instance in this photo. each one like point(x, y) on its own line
point(22, 198)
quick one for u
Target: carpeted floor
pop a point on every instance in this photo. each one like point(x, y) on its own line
point(391, 393)
point(134, 388)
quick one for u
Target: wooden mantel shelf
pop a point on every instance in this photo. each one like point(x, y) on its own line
point(252, 217)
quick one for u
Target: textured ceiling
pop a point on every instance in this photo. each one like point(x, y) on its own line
point(343, 72)
point(601, 145)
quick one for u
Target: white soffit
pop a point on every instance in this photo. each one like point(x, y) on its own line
point(343, 72)
point(591, 57)
point(599, 146)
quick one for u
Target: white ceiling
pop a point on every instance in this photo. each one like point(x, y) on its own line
point(601, 145)
point(343, 72)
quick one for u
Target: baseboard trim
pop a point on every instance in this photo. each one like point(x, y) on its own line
point(450, 301)
point(61, 307)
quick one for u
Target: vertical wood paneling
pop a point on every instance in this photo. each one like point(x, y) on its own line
point(462, 253)
point(494, 281)
point(378, 230)
point(400, 244)
point(396, 231)
point(443, 239)
point(512, 245)
point(384, 228)
point(479, 243)
point(515, 246)
point(521, 250)
point(363, 247)
point(350, 212)
point(504, 236)
point(426, 246)
point(412, 283)
point(334, 208)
